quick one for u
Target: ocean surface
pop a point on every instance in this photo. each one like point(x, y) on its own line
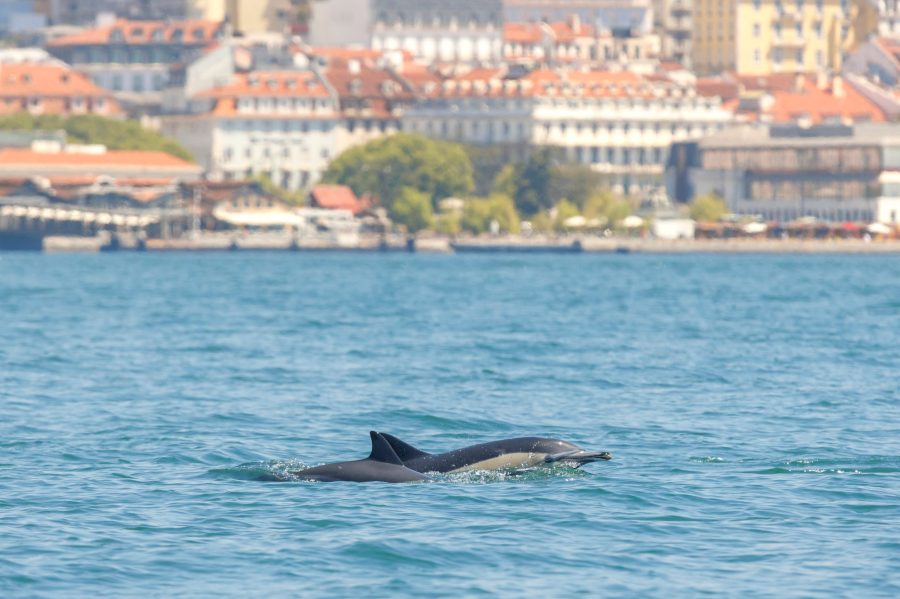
point(751, 403)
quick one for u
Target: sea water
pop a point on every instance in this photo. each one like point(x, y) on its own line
point(752, 405)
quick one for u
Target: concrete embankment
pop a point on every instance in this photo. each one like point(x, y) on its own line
point(741, 246)
point(479, 245)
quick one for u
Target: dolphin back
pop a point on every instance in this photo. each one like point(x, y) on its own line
point(382, 465)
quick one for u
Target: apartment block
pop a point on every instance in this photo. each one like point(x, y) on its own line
point(761, 37)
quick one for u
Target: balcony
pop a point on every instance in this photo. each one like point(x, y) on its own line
point(680, 8)
point(788, 42)
point(786, 14)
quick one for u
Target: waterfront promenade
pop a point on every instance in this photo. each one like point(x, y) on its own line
point(501, 244)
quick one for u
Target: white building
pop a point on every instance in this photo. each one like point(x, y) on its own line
point(618, 123)
point(433, 30)
point(281, 124)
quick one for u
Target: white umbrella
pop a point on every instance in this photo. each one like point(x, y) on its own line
point(879, 229)
point(575, 222)
point(632, 222)
point(754, 228)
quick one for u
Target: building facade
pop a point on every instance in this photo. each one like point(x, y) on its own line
point(760, 37)
point(617, 123)
point(436, 30)
point(834, 173)
point(674, 23)
point(280, 124)
point(432, 30)
point(52, 88)
point(574, 42)
point(632, 15)
point(85, 12)
point(133, 58)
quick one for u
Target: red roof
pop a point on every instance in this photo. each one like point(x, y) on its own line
point(110, 158)
point(55, 85)
point(336, 197)
point(270, 83)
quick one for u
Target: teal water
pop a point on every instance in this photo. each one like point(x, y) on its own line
point(752, 405)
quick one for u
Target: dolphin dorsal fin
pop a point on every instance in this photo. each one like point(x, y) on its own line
point(382, 450)
point(404, 451)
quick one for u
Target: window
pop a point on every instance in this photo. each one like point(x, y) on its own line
point(757, 56)
point(756, 30)
point(799, 57)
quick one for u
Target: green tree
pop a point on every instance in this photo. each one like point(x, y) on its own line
point(574, 182)
point(533, 183)
point(607, 207)
point(385, 166)
point(564, 210)
point(448, 223)
point(298, 198)
point(412, 209)
point(708, 208)
point(479, 213)
point(505, 181)
point(115, 134)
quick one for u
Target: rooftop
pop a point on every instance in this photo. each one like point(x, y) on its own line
point(124, 31)
point(45, 79)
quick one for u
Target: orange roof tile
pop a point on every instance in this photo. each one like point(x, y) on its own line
point(110, 158)
point(522, 33)
point(821, 104)
point(32, 79)
point(336, 197)
point(192, 32)
point(270, 83)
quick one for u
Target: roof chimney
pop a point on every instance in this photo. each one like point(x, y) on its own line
point(837, 87)
point(575, 23)
point(799, 83)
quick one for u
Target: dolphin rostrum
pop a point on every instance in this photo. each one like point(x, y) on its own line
point(383, 465)
point(521, 452)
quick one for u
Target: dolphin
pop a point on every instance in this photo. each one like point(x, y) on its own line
point(521, 452)
point(383, 465)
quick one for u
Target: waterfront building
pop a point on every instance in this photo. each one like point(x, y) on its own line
point(51, 87)
point(831, 172)
point(51, 160)
point(432, 30)
point(133, 58)
point(757, 37)
point(281, 124)
point(618, 123)
point(337, 197)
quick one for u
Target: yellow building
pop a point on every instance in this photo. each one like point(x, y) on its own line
point(761, 37)
point(208, 10)
point(260, 16)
